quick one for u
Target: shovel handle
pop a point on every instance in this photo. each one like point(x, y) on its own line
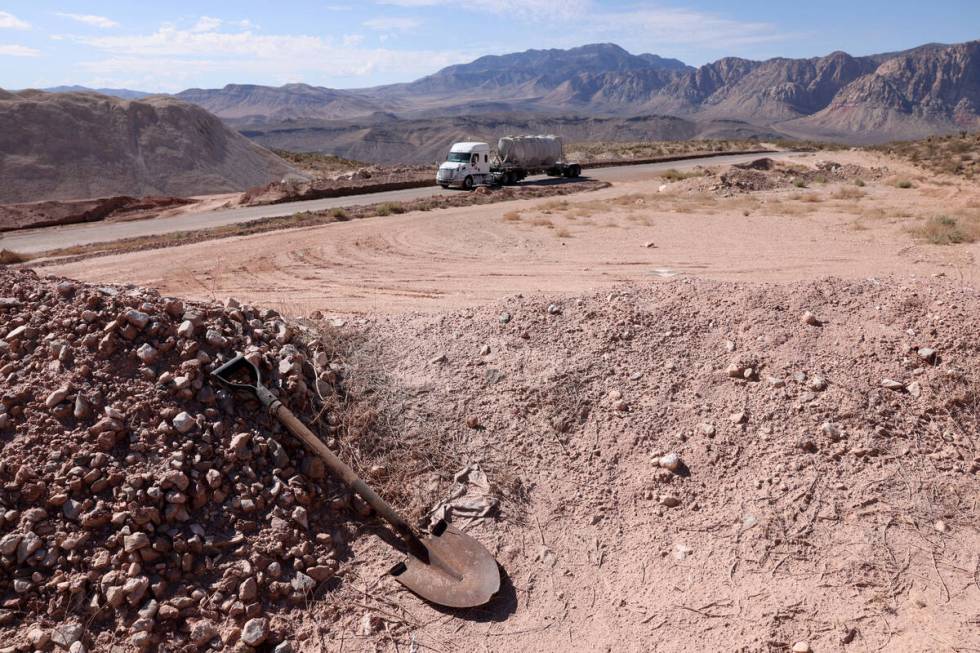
point(342, 470)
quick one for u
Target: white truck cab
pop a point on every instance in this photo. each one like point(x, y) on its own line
point(467, 165)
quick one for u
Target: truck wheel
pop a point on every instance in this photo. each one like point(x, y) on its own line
point(575, 171)
point(468, 183)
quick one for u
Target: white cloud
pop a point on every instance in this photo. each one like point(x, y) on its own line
point(94, 21)
point(392, 24)
point(18, 51)
point(187, 54)
point(685, 27)
point(206, 24)
point(9, 21)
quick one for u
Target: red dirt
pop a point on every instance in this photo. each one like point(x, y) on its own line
point(48, 214)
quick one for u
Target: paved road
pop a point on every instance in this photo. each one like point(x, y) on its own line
point(39, 240)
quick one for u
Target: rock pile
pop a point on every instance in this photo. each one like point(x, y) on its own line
point(138, 501)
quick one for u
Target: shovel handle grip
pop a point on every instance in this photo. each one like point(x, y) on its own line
point(343, 471)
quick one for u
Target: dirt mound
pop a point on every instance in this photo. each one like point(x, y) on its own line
point(824, 484)
point(138, 502)
point(48, 214)
point(85, 145)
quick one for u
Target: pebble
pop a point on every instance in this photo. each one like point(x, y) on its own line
point(670, 461)
point(148, 354)
point(138, 319)
point(186, 329)
point(810, 318)
point(65, 635)
point(56, 397)
point(303, 583)
point(183, 422)
point(202, 631)
point(817, 383)
point(504, 317)
point(284, 647)
point(669, 500)
point(802, 647)
point(831, 431)
point(485, 350)
point(554, 309)
point(775, 381)
point(891, 384)
point(738, 418)
point(255, 631)
point(927, 354)
point(915, 389)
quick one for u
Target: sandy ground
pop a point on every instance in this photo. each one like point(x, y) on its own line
point(444, 259)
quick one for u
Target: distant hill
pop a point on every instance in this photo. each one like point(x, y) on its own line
point(124, 93)
point(84, 145)
point(925, 90)
point(268, 103)
point(383, 138)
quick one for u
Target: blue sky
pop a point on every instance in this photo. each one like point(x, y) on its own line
point(169, 46)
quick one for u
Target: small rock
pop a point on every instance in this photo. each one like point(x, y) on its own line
point(186, 329)
point(554, 309)
point(215, 339)
point(183, 422)
point(248, 590)
point(940, 526)
point(810, 318)
point(802, 647)
point(473, 422)
point(56, 397)
point(817, 383)
point(927, 354)
point(148, 354)
point(670, 461)
point(485, 350)
point(775, 382)
point(669, 500)
point(682, 551)
point(831, 431)
point(708, 429)
point(138, 319)
point(738, 418)
point(255, 631)
point(891, 384)
point(202, 631)
point(370, 624)
point(915, 389)
point(284, 647)
point(300, 517)
point(303, 583)
point(65, 635)
point(435, 360)
point(135, 542)
point(504, 317)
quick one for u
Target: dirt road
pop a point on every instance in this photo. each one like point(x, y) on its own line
point(452, 258)
point(39, 240)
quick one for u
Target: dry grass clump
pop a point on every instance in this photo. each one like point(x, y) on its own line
point(389, 208)
point(903, 183)
point(948, 230)
point(8, 257)
point(848, 193)
point(512, 216)
point(553, 206)
point(562, 232)
point(676, 175)
point(541, 222)
point(339, 213)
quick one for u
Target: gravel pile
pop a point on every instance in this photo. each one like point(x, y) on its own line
point(139, 504)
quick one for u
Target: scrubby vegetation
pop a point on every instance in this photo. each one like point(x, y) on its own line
point(948, 230)
point(317, 164)
point(957, 154)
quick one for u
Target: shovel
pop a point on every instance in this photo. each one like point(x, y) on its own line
point(446, 566)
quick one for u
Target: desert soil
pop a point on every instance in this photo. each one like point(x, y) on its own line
point(447, 259)
point(808, 361)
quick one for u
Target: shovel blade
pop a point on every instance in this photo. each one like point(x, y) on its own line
point(460, 572)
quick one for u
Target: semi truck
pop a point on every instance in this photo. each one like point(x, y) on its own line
point(471, 164)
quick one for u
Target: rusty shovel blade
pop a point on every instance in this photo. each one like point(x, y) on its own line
point(459, 572)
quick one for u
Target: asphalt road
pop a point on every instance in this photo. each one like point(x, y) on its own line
point(29, 241)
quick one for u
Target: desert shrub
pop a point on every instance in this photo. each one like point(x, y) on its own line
point(847, 193)
point(799, 183)
point(676, 175)
point(859, 183)
point(903, 183)
point(389, 208)
point(8, 257)
point(339, 213)
point(512, 216)
point(947, 230)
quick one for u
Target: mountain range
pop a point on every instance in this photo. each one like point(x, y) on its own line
point(934, 88)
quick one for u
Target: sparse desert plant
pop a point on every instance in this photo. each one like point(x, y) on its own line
point(847, 193)
point(859, 183)
point(799, 183)
point(389, 208)
point(512, 216)
point(339, 213)
point(542, 222)
point(562, 232)
point(676, 175)
point(554, 205)
point(8, 257)
point(947, 230)
point(903, 183)
point(811, 198)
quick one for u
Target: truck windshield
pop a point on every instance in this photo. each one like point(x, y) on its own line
point(458, 157)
